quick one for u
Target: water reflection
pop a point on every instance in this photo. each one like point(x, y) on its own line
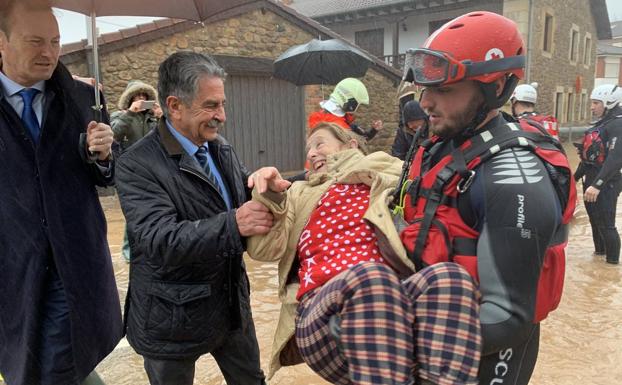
point(581, 341)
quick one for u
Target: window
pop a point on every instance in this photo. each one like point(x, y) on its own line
point(371, 40)
point(570, 107)
point(574, 44)
point(612, 67)
point(547, 44)
point(587, 52)
point(583, 110)
point(559, 106)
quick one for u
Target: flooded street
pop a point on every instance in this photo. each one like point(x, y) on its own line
point(581, 342)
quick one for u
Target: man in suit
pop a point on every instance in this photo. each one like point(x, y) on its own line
point(59, 307)
point(183, 192)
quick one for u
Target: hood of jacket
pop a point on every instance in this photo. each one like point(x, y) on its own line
point(134, 88)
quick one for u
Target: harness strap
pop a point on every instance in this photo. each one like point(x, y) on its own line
point(431, 204)
point(484, 145)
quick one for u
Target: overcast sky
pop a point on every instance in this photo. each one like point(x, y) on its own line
point(73, 25)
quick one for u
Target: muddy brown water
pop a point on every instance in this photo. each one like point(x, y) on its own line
point(581, 341)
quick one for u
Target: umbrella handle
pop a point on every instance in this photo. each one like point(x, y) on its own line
point(97, 108)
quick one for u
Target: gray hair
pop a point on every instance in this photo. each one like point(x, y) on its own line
point(179, 76)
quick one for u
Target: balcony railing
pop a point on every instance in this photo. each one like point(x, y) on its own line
point(395, 61)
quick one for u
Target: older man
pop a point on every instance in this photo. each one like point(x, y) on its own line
point(59, 308)
point(182, 190)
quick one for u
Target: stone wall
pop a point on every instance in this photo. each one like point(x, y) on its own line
point(554, 71)
point(257, 34)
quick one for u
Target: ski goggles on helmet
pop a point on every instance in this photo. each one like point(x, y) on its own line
point(434, 68)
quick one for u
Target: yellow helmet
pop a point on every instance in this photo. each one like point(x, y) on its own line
point(349, 94)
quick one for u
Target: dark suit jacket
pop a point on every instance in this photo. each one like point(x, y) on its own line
point(50, 215)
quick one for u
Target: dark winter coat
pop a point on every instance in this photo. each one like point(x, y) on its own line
point(188, 287)
point(50, 215)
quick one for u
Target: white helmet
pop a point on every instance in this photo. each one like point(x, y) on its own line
point(609, 94)
point(525, 93)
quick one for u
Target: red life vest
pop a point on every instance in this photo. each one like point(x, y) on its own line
point(436, 231)
point(547, 121)
point(593, 149)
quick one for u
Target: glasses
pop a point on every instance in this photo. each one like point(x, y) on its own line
point(433, 68)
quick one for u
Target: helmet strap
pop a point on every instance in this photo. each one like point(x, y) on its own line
point(478, 119)
point(490, 92)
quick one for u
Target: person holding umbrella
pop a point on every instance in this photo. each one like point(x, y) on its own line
point(60, 313)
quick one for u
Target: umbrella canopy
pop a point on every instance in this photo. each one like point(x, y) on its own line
point(321, 62)
point(197, 10)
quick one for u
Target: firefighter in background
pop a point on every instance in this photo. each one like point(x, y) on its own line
point(492, 195)
point(599, 170)
point(524, 100)
point(341, 105)
point(339, 109)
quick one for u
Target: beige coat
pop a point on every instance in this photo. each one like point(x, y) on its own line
point(381, 172)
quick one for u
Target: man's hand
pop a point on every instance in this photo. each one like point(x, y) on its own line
point(268, 178)
point(89, 81)
point(377, 125)
point(99, 139)
point(591, 194)
point(253, 218)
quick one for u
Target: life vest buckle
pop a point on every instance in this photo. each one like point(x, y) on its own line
point(464, 183)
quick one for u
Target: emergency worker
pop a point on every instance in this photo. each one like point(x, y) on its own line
point(599, 170)
point(490, 194)
point(339, 108)
point(524, 100)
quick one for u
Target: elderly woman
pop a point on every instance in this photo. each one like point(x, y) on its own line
point(352, 307)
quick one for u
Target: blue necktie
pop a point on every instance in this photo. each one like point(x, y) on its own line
point(202, 155)
point(28, 114)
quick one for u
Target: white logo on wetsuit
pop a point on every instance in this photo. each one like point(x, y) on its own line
point(520, 217)
point(502, 368)
point(516, 167)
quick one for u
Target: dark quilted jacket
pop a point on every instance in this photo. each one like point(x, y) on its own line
point(188, 286)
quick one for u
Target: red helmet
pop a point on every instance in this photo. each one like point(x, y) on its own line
point(481, 46)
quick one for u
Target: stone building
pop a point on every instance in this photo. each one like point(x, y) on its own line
point(266, 117)
point(559, 35)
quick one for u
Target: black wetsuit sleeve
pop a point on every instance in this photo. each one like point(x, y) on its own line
point(518, 212)
point(579, 172)
point(613, 161)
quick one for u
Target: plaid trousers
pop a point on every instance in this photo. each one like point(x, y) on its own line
point(393, 331)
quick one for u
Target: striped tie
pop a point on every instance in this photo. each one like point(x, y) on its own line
point(202, 156)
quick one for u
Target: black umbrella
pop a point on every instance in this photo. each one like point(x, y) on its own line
point(321, 62)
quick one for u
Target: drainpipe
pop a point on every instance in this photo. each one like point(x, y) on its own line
point(529, 43)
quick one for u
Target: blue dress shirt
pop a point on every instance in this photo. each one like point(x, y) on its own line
point(11, 91)
point(191, 149)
